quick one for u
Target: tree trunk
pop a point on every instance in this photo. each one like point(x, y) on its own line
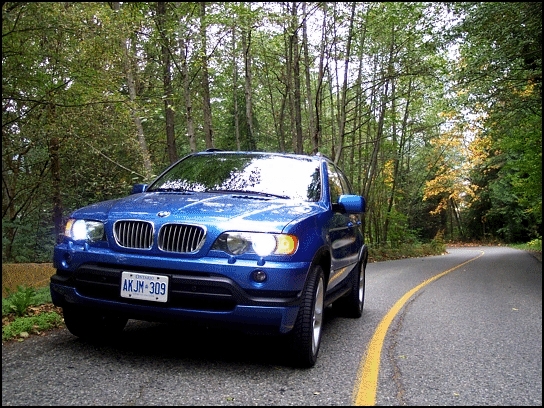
point(373, 164)
point(56, 183)
point(397, 174)
point(167, 84)
point(343, 101)
point(309, 97)
point(235, 90)
point(246, 44)
point(188, 99)
point(206, 105)
point(391, 197)
point(296, 82)
point(357, 169)
point(125, 45)
point(382, 100)
point(11, 165)
point(316, 138)
point(456, 215)
point(289, 69)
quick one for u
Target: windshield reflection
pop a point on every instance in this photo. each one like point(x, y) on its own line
point(278, 176)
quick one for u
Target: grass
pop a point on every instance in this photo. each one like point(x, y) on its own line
point(534, 245)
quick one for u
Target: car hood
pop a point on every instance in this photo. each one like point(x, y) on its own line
point(238, 211)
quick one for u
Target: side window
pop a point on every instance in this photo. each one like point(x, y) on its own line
point(346, 188)
point(335, 184)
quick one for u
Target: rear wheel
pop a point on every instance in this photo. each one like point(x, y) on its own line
point(87, 324)
point(352, 304)
point(305, 337)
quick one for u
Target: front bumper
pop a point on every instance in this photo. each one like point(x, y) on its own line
point(211, 291)
point(250, 318)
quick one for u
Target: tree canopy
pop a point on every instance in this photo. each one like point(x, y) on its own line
point(432, 109)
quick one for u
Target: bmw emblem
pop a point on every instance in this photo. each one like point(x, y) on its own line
point(163, 214)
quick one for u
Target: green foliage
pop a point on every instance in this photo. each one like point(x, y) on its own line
point(33, 242)
point(500, 81)
point(6, 307)
point(409, 248)
point(20, 300)
point(437, 243)
point(31, 324)
point(533, 245)
point(416, 249)
point(42, 296)
point(398, 231)
point(67, 83)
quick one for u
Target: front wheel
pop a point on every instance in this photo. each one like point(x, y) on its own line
point(87, 324)
point(305, 337)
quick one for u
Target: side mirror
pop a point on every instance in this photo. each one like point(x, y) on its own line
point(352, 203)
point(138, 188)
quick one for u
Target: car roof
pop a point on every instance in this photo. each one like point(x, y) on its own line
point(318, 156)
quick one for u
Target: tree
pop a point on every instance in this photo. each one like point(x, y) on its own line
point(500, 81)
point(207, 110)
point(166, 52)
point(97, 96)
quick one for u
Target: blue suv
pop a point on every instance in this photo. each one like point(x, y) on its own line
point(263, 242)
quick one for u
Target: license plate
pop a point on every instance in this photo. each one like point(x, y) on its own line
point(135, 285)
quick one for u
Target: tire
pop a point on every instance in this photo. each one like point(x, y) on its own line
point(305, 338)
point(351, 305)
point(90, 325)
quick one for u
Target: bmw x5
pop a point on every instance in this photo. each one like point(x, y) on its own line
point(259, 241)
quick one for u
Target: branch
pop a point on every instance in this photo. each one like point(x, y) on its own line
point(111, 160)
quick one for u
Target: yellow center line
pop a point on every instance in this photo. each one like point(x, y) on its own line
point(367, 376)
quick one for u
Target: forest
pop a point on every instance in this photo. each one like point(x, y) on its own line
point(433, 109)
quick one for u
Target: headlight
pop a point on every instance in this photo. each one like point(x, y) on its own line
point(237, 243)
point(84, 230)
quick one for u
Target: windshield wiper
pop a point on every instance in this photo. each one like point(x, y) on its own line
point(259, 193)
point(170, 190)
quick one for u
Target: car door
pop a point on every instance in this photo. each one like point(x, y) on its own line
point(344, 236)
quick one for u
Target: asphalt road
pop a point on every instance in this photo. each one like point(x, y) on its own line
point(459, 329)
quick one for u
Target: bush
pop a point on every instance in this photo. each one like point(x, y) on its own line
point(41, 296)
point(535, 244)
point(20, 300)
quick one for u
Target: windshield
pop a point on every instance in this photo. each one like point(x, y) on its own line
point(262, 174)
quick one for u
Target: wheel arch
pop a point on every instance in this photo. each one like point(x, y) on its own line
point(323, 258)
point(363, 254)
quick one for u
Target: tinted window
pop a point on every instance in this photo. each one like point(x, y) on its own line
point(249, 173)
point(335, 185)
point(344, 181)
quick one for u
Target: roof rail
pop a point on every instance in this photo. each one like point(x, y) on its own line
point(319, 154)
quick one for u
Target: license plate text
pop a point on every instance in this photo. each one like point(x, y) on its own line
point(144, 286)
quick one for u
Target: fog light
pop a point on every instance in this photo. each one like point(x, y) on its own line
point(66, 260)
point(258, 276)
